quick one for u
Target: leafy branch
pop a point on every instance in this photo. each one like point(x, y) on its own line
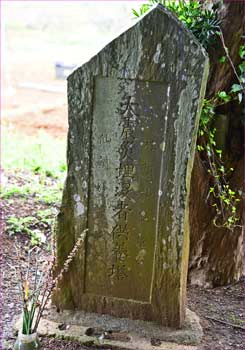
point(203, 23)
point(225, 199)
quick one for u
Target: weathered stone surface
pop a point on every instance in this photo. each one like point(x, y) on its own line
point(133, 115)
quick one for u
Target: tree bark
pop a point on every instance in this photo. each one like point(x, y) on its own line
point(216, 254)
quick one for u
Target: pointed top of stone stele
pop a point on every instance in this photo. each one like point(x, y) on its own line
point(154, 14)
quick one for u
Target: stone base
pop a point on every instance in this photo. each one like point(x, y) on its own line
point(114, 333)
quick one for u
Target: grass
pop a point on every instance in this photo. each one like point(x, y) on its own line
point(42, 160)
point(31, 225)
point(40, 154)
point(41, 193)
point(14, 190)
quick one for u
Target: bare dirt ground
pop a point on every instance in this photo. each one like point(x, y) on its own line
point(30, 110)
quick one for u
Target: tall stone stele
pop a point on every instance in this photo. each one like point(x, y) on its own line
point(133, 117)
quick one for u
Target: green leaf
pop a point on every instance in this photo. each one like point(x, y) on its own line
point(222, 59)
point(200, 148)
point(135, 13)
point(223, 96)
point(241, 67)
point(236, 88)
point(242, 51)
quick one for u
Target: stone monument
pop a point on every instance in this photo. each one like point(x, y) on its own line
point(133, 118)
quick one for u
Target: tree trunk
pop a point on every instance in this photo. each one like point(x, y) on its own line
point(216, 254)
